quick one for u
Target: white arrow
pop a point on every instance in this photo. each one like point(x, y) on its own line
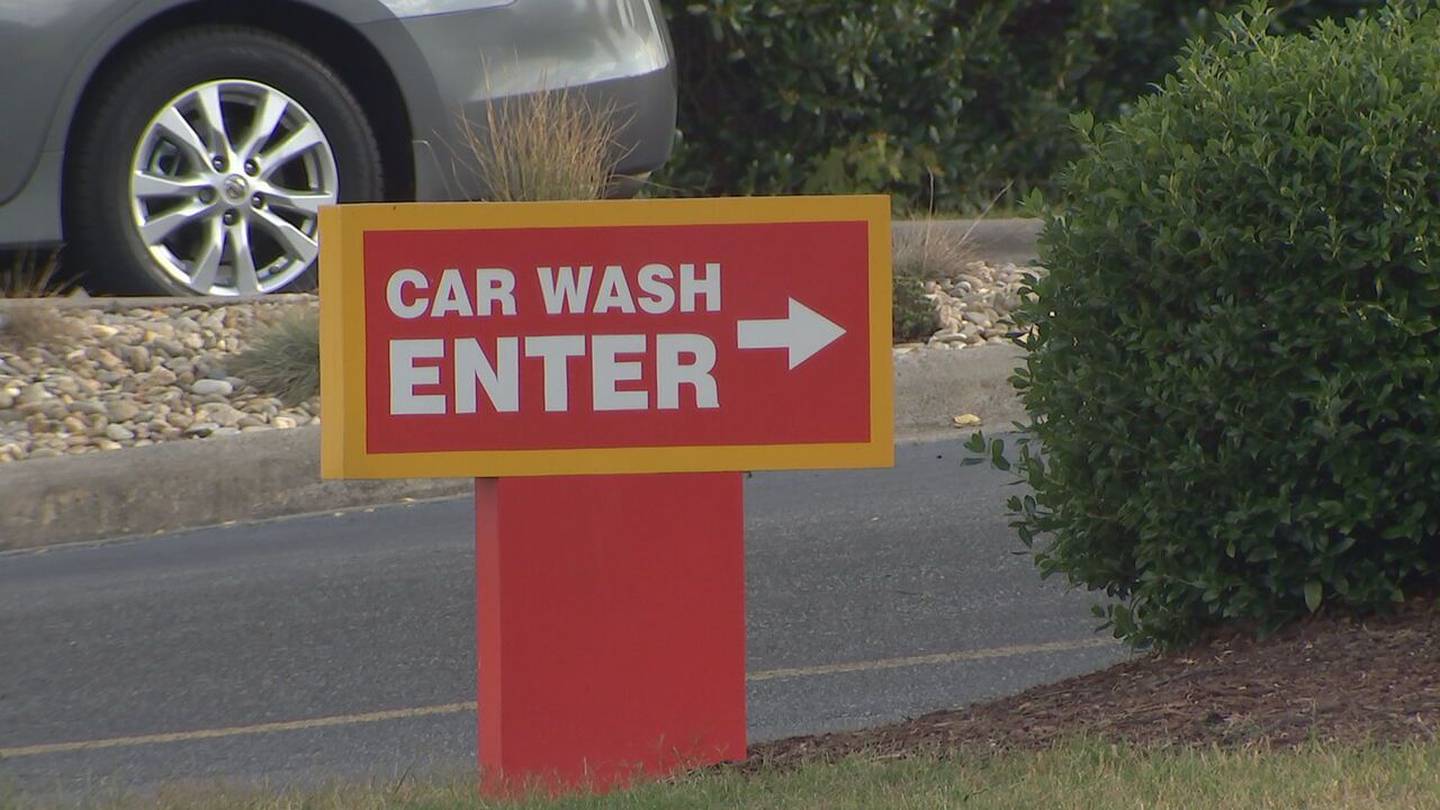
point(803, 332)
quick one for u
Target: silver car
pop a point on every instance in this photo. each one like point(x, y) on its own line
point(184, 146)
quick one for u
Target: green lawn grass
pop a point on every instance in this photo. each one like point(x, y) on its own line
point(1076, 776)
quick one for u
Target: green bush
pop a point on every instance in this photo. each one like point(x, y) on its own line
point(1234, 369)
point(794, 96)
point(913, 315)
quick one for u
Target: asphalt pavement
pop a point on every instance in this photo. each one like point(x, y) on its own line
point(340, 646)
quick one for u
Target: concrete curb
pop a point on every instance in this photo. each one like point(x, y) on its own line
point(184, 484)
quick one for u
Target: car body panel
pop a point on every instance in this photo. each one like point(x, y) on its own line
point(448, 57)
point(53, 39)
point(58, 46)
point(615, 51)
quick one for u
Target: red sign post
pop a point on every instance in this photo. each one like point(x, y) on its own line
point(604, 370)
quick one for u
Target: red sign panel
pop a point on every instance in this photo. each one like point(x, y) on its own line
point(494, 344)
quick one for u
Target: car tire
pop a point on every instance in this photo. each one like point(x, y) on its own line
point(201, 166)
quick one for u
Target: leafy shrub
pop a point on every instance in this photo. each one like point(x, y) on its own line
point(794, 96)
point(913, 316)
point(1234, 368)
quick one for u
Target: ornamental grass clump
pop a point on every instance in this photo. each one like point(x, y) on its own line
point(552, 145)
point(30, 285)
point(283, 359)
point(1234, 367)
point(28, 275)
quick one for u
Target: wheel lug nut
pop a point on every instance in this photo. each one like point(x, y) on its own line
point(230, 218)
point(218, 163)
point(257, 201)
point(207, 195)
point(252, 168)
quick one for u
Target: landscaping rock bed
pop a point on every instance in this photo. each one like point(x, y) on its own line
point(105, 375)
point(976, 306)
point(88, 379)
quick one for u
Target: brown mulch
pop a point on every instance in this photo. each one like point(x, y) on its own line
point(1322, 679)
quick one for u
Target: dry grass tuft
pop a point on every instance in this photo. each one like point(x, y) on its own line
point(929, 254)
point(25, 275)
point(552, 145)
point(33, 324)
point(28, 316)
point(283, 359)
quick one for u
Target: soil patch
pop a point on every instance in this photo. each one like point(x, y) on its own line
point(1320, 680)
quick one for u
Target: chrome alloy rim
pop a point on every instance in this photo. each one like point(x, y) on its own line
point(226, 186)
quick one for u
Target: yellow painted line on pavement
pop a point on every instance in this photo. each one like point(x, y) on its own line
point(937, 658)
point(236, 731)
point(469, 705)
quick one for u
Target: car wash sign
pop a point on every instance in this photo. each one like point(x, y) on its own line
point(498, 339)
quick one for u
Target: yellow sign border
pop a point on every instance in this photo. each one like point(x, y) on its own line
point(342, 337)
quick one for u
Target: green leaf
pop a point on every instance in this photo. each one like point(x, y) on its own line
point(1313, 595)
point(997, 456)
point(976, 443)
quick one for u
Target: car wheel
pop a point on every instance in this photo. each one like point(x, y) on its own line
point(202, 168)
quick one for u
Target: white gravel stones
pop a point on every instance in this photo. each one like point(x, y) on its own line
point(32, 394)
point(209, 388)
point(974, 308)
point(119, 410)
point(135, 377)
point(220, 413)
